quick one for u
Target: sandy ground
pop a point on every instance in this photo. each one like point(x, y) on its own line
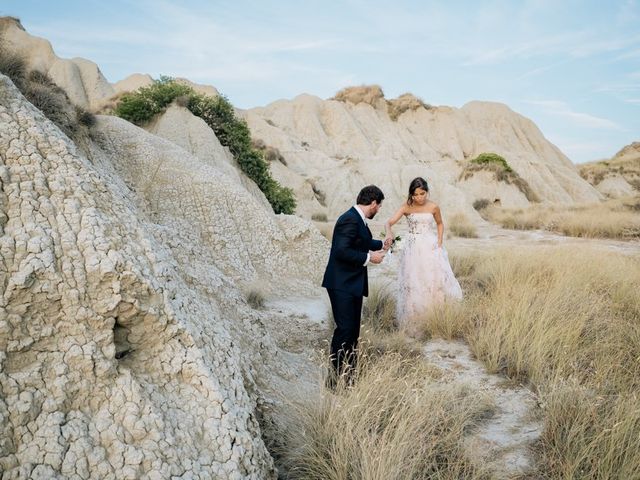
point(502, 443)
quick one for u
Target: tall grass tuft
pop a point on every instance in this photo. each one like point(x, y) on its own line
point(396, 422)
point(461, 226)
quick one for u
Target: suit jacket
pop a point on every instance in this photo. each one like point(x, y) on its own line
point(351, 242)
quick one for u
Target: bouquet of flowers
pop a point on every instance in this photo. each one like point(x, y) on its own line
point(394, 245)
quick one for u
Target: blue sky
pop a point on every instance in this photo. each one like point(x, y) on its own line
point(573, 67)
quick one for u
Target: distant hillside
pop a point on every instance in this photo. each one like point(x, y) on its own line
point(617, 177)
point(333, 147)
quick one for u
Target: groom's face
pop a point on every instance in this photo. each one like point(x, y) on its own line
point(373, 209)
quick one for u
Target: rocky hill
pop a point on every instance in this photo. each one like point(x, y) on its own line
point(617, 177)
point(332, 147)
point(128, 346)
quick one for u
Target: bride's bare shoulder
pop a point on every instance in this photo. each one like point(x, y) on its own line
point(433, 206)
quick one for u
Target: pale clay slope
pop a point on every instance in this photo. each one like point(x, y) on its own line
point(180, 126)
point(81, 79)
point(337, 147)
point(125, 253)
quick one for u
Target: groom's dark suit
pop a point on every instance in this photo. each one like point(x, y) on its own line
point(346, 282)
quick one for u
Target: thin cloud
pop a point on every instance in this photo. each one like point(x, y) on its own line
point(577, 44)
point(561, 109)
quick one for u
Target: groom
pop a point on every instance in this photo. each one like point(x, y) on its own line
point(345, 278)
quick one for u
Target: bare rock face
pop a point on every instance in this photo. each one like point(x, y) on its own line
point(133, 82)
point(127, 349)
point(337, 146)
point(178, 125)
point(81, 79)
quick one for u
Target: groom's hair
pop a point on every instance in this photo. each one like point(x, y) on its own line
point(368, 194)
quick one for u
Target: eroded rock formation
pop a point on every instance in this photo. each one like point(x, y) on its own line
point(336, 146)
point(127, 348)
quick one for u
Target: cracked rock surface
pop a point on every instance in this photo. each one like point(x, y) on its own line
point(127, 349)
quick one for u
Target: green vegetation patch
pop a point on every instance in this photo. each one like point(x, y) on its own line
point(141, 106)
point(502, 172)
point(492, 158)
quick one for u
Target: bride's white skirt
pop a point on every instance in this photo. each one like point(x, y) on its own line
point(425, 278)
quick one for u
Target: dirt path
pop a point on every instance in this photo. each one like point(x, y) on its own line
point(501, 442)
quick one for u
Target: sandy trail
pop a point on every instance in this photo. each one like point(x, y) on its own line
point(502, 442)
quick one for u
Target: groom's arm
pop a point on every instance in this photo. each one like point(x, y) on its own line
point(345, 235)
point(376, 245)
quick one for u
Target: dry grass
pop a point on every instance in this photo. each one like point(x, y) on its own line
point(612, 219)
point(404, 103)
point(370, 94)
point(460, 226)
point(397, 422)
point(271, 154)
point(379, 334)
point(565, 320)
point(39, 89)
point(255, 297)
point(569, 322)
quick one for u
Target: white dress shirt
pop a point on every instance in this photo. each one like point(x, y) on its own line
point(364, 219)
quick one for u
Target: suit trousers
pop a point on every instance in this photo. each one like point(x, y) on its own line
point(347, 310)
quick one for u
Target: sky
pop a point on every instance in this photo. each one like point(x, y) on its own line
point(573, 67)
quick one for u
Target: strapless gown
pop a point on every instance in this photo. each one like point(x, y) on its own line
point(425, 278)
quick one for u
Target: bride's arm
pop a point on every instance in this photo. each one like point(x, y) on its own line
point(438, 218)
point(392, 221)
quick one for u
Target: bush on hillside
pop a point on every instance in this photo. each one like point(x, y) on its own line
point(502, 172)
point(488, 158)
point(142, 105)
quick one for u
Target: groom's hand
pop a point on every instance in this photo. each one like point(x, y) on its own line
point(387, 243)
point(376, 257)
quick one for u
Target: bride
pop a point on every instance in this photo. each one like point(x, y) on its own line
point(425, 278)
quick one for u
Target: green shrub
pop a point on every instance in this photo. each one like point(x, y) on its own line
point(502, 172)
point(485, 158)
point(141, 106)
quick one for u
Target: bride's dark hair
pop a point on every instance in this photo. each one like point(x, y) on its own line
point(416, 183)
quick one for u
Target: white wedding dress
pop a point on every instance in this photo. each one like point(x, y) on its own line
point(425, 278)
